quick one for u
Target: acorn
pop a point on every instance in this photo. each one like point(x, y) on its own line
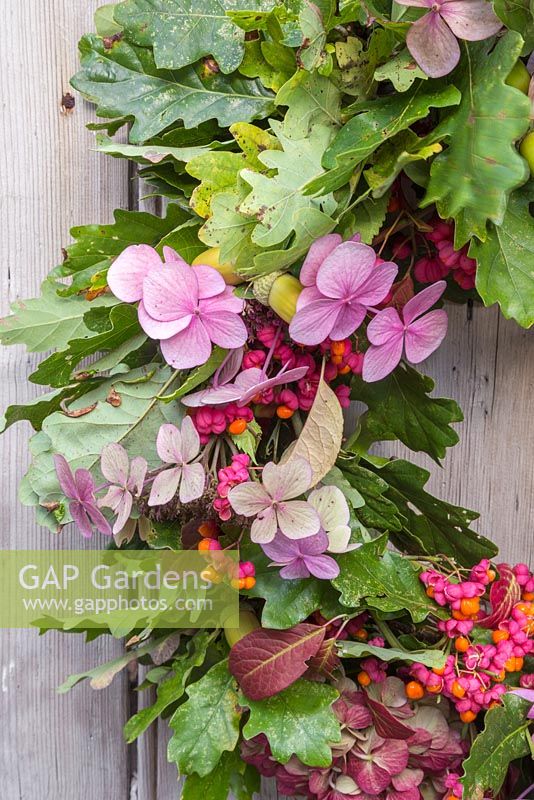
point(280, 291)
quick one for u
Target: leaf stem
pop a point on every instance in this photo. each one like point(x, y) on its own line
point(387, 633)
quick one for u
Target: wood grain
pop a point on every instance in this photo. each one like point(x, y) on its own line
point(70, 747)
point(52, 747)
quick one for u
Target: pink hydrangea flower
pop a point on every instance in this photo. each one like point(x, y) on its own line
point(272, 502)
point(179, 448)
point(247, 385)
point(187, 308)
point(342, 281)
point(418, 333)
point(300, 558)
point(127, 480)
point(80, 490)
point(432, 39)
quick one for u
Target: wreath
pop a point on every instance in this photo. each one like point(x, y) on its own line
point(331, 173)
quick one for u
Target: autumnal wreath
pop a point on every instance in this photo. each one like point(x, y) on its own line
point(331, 172)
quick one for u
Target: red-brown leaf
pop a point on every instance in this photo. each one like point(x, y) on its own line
point(265, 662)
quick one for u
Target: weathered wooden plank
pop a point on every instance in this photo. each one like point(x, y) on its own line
point(487, 366)
point(52, 746)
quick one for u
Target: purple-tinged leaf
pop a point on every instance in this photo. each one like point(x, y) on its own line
point(266, 661)
point(504, 594)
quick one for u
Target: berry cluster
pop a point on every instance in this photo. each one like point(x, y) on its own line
point(241, 576)
point(229, 477)
point(271, 341)
point(445, 259)
point(489, 648)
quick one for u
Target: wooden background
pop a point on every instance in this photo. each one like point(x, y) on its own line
point(70, 747)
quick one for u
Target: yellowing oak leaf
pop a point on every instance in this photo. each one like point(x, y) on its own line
point(320, 440)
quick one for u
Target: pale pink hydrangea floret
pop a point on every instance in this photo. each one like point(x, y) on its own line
point(432, 39)
point(334, 514)
point(339, 290)
point(127, 481)
point(418, 333)
point(187, 308)
point(272, 502)
point(179, 448)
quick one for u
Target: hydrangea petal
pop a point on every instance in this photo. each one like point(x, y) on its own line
point(297, 519)
point(165, 486)
point(296, 570)
point(85, 485)
point(65, 476)
point(190, 440)
point(114, 463)
point(349, 319)
point(313, 545)
point(170, 256)
point(286, 481)
point(425, 335)
point(263, 529)
point(313, 324)
point(322, 567)
point(128, 271)
point(433, 45)
point(385, 327)
point(422, 301)
point(472, 20)
point(189, 348)
point(192, 483)
point(161, 330)
point(123, 512)
point(226, 301)
point(249, 498)
point(169, 444)
point(307, 296)
point(380, 360)
point(138, 470)
point(81, 518)
point(339, 540)
point(112, 499)
point(261, 386)
point(170, 292)
point(225, 328)
point(317, 253)
point(378, 284)
point(345, 270)
point(281, 550)
point(98, 520)
point(210, 282)
point(331, 505)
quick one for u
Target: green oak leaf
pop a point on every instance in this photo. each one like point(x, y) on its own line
point(311, 99)
point(123, 81)
point(218, 171)
point(275, 201)
point(151, 154)
point(472, 179)
point(373, 123)
point(207, 724)
point(518, 15)
point(121, 327)
point(366, 218)
point(37, 410)
point(231, 775)
point(383, 580)
point(96, 246)
point(134, 424)
point(171, 688)
point(505, 261)
point(358, 64)
point(430, 658)
point(229, 229)
point(400, 407)
point(48, 321)
point(377, 510)
point(297, 721)
point(394, 156)
point(401, 70)
point(504, 739)
point(183, 31)
point(105, 22)
point(431, 525)
point(272, 62)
